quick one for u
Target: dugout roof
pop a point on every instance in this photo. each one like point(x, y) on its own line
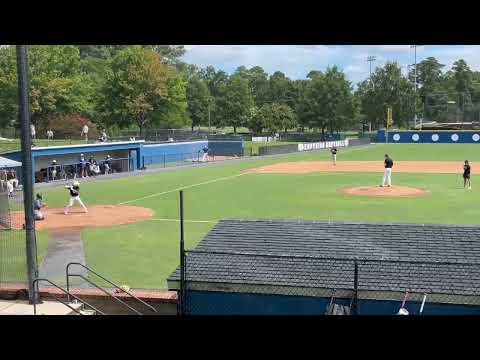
point(391, 258)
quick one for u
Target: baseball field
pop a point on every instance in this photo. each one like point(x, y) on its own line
point(143, 252)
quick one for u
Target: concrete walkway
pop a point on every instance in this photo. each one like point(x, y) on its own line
point(19, 307)
point(63, 248)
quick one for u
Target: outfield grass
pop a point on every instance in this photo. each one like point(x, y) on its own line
point(143, 255)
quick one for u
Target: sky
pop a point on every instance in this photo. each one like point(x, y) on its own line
point(296, 61)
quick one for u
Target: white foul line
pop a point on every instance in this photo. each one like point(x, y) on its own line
point(192, 221)
point(203, 183)
point(182, 188)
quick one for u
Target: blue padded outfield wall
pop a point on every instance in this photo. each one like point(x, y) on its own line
point(429, 137)
point(226, 147)
point(171, 152)
point(220, 303)
point(188, 151)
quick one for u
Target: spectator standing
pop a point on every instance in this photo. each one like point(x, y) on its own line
point(50, 134)
point(3, 179)
point(85, 132)
point(33, 132)
point(12, 177)
point(108, 164)
point(103, 136)
point(54, 169)
point(83, 166)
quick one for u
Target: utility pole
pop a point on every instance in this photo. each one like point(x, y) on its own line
point(27, 171)
point(415, 89)
point(209, 125)
point(209, 101)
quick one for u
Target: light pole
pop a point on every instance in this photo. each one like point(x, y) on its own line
point(370, 59)
point(414, 47)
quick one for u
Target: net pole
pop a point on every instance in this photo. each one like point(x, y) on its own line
point(182, 259)
point(27, 171)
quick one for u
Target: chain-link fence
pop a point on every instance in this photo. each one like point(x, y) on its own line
point(13, 267)
point(241, 283)
point(184, 158)
point(452, 107)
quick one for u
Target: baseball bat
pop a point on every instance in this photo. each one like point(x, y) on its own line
point(423, 303)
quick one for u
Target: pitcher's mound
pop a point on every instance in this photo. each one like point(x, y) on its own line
point(377, 191)
point(97, 216)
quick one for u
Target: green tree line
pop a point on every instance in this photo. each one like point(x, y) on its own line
point(140, 87)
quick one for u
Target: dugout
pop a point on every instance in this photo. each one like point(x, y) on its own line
point(306, 267)
point(126, 157)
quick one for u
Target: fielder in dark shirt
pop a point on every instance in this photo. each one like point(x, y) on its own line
point(334, 155)
point(466, 175)
point(388, 162)
point(387, 175)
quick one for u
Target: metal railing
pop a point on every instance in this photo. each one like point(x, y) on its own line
point(356, 282)
point(69, 296)
point(117, 287)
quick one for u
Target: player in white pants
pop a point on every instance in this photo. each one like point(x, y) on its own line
point(205, 153)
point(387, 175)
point(74, 196)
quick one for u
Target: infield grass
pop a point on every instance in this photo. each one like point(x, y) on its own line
point(143, 255)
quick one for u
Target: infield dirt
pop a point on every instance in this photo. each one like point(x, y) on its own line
point(97, 216)
point(305, 167)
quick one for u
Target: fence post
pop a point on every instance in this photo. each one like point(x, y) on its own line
point(181, 299)
point(355, 290)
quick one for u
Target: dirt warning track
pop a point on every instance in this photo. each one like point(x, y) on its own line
point(306, 167)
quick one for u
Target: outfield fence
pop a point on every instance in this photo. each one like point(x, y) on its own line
point(229, 283)
point(300, 147)
point(179, 159)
